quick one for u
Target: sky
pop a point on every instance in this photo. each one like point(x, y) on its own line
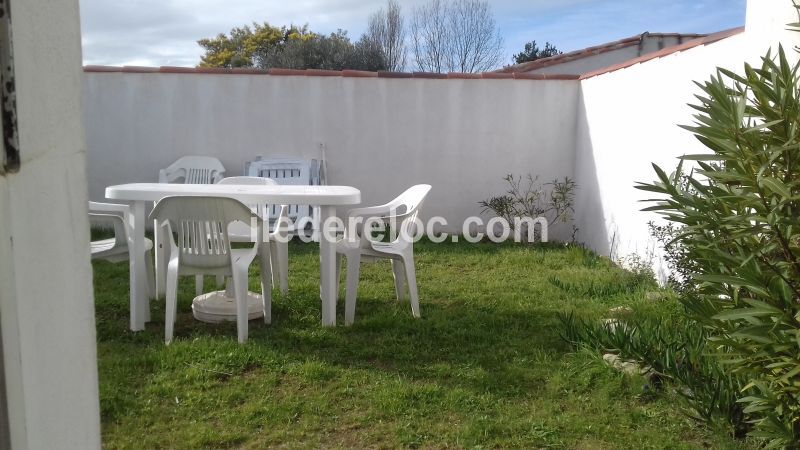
point(165, 32)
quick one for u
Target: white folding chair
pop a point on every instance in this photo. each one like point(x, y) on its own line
point(287, 171)
point(203, 247)
point(193, 170)
point(278, 237)
point(357, 246)
point(117, 249)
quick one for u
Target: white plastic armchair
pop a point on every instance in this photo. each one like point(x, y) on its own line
point(186, 170)
point(203, 247)
point(357, 246)
point(117, 249)
point(278, 237)
point(193, 170)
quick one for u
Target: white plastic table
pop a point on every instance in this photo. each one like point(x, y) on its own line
point(325, 197)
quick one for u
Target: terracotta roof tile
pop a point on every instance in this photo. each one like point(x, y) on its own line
point(436, 76)
point(324, 73)
point(359, 73)
point(390, 74)
point(463, 75)
point(102, 69)
point(496, 76)
point(286, 72)
point(139, 69)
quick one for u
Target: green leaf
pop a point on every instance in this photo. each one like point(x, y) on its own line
point(775, 185)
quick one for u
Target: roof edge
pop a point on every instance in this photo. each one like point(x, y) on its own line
point(708, 39)
point(592, 51)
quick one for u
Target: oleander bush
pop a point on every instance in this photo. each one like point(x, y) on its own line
point(675, 352)
point(736, 223)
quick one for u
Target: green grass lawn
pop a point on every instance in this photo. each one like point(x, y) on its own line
point(483, 368)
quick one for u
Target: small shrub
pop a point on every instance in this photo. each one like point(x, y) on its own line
point(527, 198)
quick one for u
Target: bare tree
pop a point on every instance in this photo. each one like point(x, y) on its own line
point(455, 36)
point(429, 36)
point(386, 30)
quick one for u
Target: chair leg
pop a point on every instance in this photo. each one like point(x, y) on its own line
point(273, 259)
point(411, 277)
point(398, 271)
point(229, 288)
point(281, 250)
point(266, 270)
point(151, 273)
point(160, 240)
point(171, 306)
point(353, 267)
point(198, 285)
point(240, 288)
point(338, 273)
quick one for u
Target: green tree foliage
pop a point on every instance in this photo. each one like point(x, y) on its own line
point(332, 52)
point(532, 52)
point(265, 46)
point(739, 217)
point(243, 46)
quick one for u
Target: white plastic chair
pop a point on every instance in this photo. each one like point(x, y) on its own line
point(117, 249)
point(278, 237)
point(357, 246)
point(186, 170)
point(203, 247)
point(193, 170)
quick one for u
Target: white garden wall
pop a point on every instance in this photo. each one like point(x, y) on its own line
point(381, 135)
point(629, 119)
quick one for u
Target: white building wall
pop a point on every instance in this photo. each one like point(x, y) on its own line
point(629, 119)
point(46, 300)
point(380, 135)
point(766, 25)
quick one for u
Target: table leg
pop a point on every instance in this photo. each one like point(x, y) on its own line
point(159, 243)
point(327, 259)
point(140, 302)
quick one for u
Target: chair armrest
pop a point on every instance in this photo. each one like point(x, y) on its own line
point(97, 207)
point(371, 211)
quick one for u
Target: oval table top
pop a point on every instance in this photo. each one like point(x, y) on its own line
point(280, 194)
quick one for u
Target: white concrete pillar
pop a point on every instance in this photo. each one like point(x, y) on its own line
point(46, 300)
point(766, 25)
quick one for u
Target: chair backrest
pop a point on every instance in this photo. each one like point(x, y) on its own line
point(201, 224)
point(251, 181)
point(406, 207)
point(286, 172)
point(115, 214)
point(193, 170)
